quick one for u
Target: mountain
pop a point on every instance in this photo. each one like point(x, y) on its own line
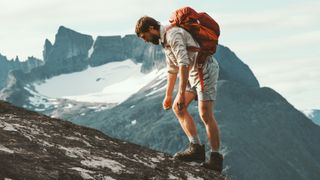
point(313, 114)
point(115, 48)
point(6, 66)
point(74, 52)
point(262, 134)
point(34, 146)
point(120, 92)
point(69, 53)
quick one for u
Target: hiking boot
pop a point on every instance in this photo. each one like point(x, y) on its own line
point(195, 153)
point(215, 162)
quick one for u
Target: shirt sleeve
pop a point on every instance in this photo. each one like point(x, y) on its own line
point(171, 67)
point(178, 47)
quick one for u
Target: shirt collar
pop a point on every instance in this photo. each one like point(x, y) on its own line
point(162, 33)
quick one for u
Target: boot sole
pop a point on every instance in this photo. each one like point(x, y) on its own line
point(192, 160)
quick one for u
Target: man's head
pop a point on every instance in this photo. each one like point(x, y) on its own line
point(148, 29)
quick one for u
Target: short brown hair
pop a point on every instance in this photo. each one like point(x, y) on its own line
point(144, 23)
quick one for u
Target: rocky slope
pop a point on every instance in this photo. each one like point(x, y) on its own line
point(34, 146)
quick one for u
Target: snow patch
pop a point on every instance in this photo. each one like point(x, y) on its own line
point(68, 106)
point(108, 178)
point(145, 162)
point(121, 155)
point(7, 127)
point(44, 143)
point(226, 169)
point(119, 91)
point(153, 159)
point(102, 108)
point(160, 77)
point(29, 131)
point(79, 139)
point(92, 48)
point(96, 162)
point(172, 176)
point(161, 156)
point(99, 138)
point(83, 172)
point(117, 82)
point(74, 152)
point(5, 149)
point(225, 150)
point(155, 91)
point(308, 112)
point(37, 99)
point(191, 177)
point(26, 131)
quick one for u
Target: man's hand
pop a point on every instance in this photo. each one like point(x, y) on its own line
point(167, 102)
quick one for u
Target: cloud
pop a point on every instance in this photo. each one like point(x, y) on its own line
point(294, 15)
point(285, 43)
point(296, 79)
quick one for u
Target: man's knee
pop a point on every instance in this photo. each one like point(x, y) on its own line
point(205, 113)
point(179, 112)
point(205, 117)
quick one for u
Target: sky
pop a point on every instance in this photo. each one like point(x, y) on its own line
point(278, 40)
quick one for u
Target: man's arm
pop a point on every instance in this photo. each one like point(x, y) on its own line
point(171, 80)
point(172, 71)
point(183, 78)
point(178, 46)
point(177, 43)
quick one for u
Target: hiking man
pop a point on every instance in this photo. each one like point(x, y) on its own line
point(182, 63)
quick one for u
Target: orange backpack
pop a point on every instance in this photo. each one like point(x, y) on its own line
point(204, 29)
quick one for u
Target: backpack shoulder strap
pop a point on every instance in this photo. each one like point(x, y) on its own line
point(166, 29)
point(166, 45)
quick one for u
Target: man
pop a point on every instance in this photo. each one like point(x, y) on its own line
point(180, 61)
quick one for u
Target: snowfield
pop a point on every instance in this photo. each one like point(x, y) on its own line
point(113, 82)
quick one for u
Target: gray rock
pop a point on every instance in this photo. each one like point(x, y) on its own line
point(107, 49)
point(233, 69)
point(6, 66)
point(68, 54)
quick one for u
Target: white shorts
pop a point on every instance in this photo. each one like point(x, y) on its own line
point(210, 77)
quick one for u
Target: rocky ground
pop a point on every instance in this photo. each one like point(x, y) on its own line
point(34, 146)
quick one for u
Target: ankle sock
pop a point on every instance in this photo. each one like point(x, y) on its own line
point(194, 139)
point(212, 150)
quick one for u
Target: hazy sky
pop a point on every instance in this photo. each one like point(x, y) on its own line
point(279, 40)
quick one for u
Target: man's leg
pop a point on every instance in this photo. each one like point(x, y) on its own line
point(195, 151)
point(206, 113)
point(185, 119)
point(208, 118)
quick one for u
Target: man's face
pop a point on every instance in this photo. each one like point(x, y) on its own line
point(150, 36)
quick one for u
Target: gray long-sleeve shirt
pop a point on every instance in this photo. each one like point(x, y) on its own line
point(177, 55)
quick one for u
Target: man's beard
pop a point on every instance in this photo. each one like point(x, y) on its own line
point(155, 40)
